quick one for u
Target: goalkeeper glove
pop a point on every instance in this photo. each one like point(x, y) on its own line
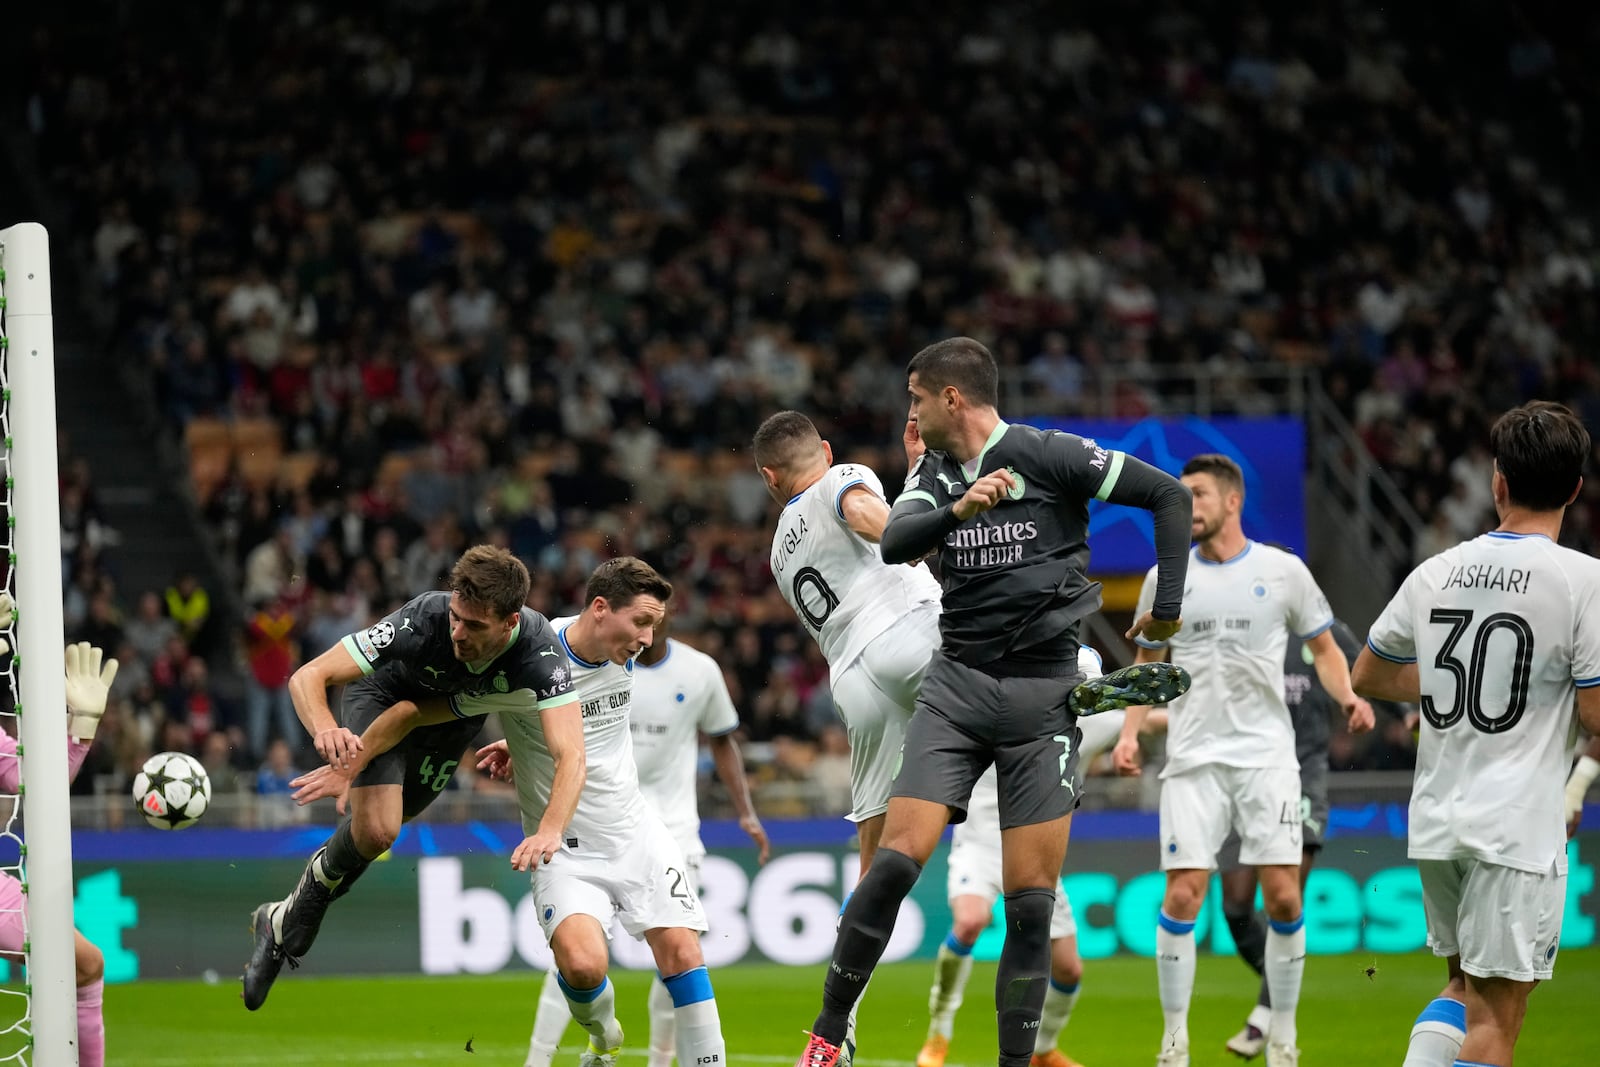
point(88, 686)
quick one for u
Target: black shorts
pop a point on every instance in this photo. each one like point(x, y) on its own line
point(424, 760)
point(966, 719)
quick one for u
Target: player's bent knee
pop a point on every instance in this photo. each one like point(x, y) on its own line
point(677, 950)
point(1067, 972)
point(1184, 897)
point(89, 962)
point(582, 970)
point(1283, 907)
point(968, 928)
point(375, 833)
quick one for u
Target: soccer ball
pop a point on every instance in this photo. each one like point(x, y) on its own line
point(172, 790)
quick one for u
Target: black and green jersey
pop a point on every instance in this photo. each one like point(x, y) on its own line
point(410, 655)
point(1015, 577)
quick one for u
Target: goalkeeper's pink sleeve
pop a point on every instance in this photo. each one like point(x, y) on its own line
point(10, 777)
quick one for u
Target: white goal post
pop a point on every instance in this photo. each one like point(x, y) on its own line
point(27, 345)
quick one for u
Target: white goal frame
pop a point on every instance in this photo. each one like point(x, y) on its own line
point(41, 709)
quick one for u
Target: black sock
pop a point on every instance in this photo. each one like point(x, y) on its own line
point(864, 931)
point(1024, 973)
point(341, 858)
point(1249, 930)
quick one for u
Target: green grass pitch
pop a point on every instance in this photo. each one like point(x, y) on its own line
point(1346, 1017)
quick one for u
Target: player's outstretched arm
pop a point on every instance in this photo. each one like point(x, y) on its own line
point(563, 736)
point(1381, 679)
point(865, 512)
point(1138, 484)
point(308, 690)
point(1333, 671)
point(729, 761)
point(915, 527)
point(1125, 756)
point(385, 732)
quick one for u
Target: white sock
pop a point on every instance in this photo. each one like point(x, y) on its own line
point(596, 1011)
point(1058, 1004)
point(951, 969)
point(663, 1025)
point(1436, 1038)
point(700, 1041)
point(1175, 975)
point(550, 1021)
point(1286, 965)
point(1260, 1017)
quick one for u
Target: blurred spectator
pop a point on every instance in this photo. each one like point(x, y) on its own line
point(150, 628)
point(275, 804)
point(192, 704)
point(216, 756)
point(272, 653)
point(189, 606)
point(831, 771)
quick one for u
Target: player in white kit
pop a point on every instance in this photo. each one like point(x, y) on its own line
point(973, 884)
point(678, 695)
point(615, 859)
point(1230, 745)
point(1498, 639)
point(877, 624)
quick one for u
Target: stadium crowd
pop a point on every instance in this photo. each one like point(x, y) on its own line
point(533, 276)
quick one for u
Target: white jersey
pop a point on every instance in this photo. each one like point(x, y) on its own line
point(1503, 629)
point(610, 805)
point(675, 700)
point(834, 579)
point(1237, 619)
point(982, 824)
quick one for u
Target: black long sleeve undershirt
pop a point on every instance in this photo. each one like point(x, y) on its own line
point(1170, 504)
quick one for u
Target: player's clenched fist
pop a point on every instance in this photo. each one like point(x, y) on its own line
point(338, 746)
point(984, 494)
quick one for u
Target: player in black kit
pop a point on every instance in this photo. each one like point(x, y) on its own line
point(1007, 507)
point(479, 638)
point(1312, 711)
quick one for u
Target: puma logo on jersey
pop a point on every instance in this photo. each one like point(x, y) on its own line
point(406, 623)
point(434, 671)
point(548, 651)
point(949, 486)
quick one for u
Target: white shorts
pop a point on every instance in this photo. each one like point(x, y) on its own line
point(647, 884)
point(875, 694)
point(1100, 733)
point(1502, 922)
point(1200, 806)
point(974, 871)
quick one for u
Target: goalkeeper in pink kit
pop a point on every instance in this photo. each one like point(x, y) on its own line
point(88, 684)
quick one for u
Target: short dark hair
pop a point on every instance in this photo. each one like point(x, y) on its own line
point(1540, 448)
point(784, 438)
point(491, 577)
point(1222, 468)
point(961, 362)
point(624, 579)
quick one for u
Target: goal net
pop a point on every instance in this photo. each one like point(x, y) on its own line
point(38, 1014)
